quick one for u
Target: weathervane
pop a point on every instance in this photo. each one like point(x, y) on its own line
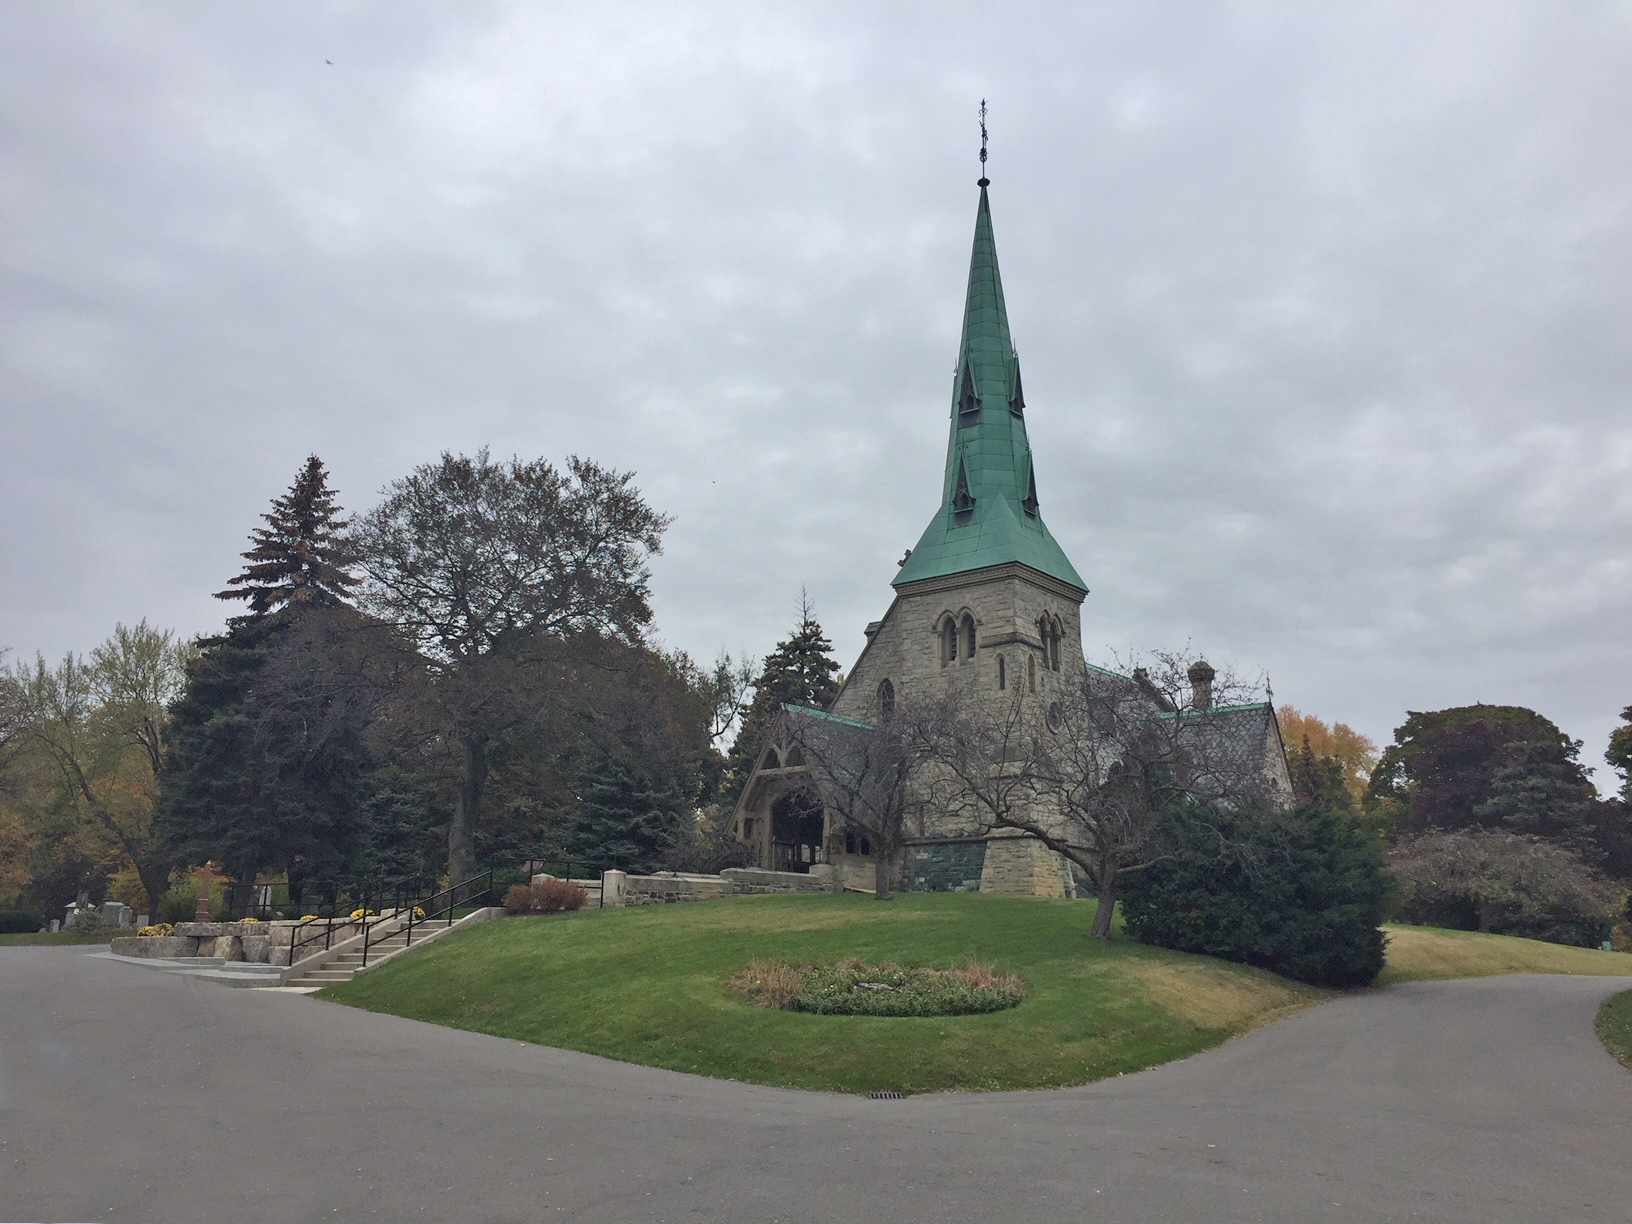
point(984, 181)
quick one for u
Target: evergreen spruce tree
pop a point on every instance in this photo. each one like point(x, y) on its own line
point(247, 782)
point(800, 671)
point(623, 822)
point(298, 558)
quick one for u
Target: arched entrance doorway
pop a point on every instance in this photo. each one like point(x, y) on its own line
point(796, 830)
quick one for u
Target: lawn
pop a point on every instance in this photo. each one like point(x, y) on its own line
point(1421, 954)
point(1615, 1026)
point(647, 985)
point(61, 938)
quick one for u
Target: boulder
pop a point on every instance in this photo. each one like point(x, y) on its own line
point(154, 945)
point(257, 948)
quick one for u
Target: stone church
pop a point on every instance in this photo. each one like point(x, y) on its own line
point(986, 599)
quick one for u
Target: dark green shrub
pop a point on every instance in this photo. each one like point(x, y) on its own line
point(20, 922)
point(1301, 894)
point(88, 924)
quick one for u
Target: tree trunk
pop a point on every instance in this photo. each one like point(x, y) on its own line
point(462, 831)
point(881, 876)
point(155, 882)
point(1105, 899)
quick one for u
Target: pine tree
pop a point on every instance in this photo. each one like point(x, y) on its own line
point(298, 557)
point(800, 671)
point(623, 822)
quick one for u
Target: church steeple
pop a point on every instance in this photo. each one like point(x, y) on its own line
point(989, 512)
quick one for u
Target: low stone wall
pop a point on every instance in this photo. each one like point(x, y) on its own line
point(758, 880)
point(667, 887)
point(265, 943)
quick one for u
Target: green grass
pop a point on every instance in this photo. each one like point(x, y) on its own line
point(1424, 954)
point(1615, 1026)
point(59, 939)
point(647, 985)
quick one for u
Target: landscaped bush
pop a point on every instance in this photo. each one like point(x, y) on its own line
point(20, 922)
point(1300, 894)
point(88, 923)
point(1502, 883)
point(852, 988)
point(157, 929)
point(547, 896)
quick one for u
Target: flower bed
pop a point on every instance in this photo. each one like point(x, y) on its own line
point(854, 988)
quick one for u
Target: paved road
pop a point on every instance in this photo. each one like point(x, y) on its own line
point(127, 1094)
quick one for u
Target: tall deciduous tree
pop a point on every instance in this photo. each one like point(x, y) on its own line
point(473, 561)
point(1355, 753)
point(96, 731)
point(1482, 766)
point(1619, 754)
point(299, 557)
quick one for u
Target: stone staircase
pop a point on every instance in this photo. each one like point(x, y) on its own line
point(345, 960)
point(343, 966)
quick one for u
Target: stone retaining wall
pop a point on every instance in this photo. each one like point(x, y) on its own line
point(667, 887)
point(265, 943)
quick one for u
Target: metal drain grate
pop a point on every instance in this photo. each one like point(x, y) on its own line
point(887, 1096)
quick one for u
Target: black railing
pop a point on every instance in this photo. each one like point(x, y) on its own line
point(438, 907)
point(402, 903)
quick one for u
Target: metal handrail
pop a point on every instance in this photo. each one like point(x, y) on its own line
point(366, 896)
point(421, 911)
point(424, 907)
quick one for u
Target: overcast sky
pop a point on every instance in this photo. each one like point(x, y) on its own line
point(1325, 310)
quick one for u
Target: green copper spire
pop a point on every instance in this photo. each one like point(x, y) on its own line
point(989, 512)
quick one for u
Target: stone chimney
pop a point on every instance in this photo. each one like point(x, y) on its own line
point(1201, 685)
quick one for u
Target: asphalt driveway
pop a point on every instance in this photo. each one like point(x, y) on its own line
point(127, 1094)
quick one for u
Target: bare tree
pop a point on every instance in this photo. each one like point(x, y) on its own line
point(864, 774)
point(1093, 772)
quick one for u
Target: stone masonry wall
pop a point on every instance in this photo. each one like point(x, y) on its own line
point(945, 865)
point(665, 888)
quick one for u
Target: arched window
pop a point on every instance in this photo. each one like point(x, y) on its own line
point(1031, 673)
point(949, 642)
point(792, 758)
point(1002, 673)
point(866, 846)
point(969, 637)
point(886, 700)
point(1054, 645)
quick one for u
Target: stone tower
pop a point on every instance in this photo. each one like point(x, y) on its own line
point(987, 598)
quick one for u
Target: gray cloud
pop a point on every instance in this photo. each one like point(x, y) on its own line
point(1325, 311)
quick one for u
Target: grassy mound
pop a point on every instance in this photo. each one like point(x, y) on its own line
point(855, 988)
point(648, 986)
point(1420, 954)
point(1615, 1026)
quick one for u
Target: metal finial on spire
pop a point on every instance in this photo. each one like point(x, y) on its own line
point(984, 181)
